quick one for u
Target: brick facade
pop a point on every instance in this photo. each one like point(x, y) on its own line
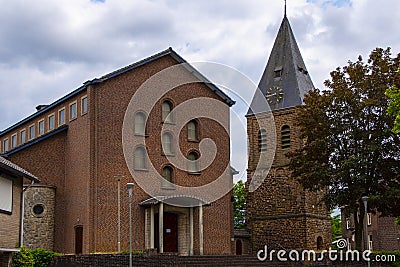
point(81, 157)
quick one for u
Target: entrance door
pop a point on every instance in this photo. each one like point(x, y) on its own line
point(78, 239)
point(170, 232)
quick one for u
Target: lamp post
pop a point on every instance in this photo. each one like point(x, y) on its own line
point(365, 200)
point(129, 186)
point(119, 177)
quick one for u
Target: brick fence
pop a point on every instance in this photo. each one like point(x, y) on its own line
point(114, 260)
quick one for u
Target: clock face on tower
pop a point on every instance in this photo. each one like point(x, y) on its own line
point(274, 95)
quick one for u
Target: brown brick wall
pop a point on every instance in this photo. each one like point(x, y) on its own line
point(10, 224)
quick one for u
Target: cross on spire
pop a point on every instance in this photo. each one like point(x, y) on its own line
point(285, 9)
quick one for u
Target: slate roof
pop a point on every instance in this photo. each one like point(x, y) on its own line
point(115, 73)
point(286, 58)
point(17, 170)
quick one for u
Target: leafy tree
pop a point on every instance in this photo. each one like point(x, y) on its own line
point(393, 93)
point(239, 205)
point(336, 226)
point(349, 149)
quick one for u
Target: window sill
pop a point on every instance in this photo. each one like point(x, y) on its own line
point(168, 122)
point(72, 119)
point(194, 173)
point(168, 154)
point(141, 135)
point(141, 170)
point(194, 140)
point(168, 187)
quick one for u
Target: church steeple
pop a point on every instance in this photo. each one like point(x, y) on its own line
point(285, 80)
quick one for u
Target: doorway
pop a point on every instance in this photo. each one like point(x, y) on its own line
point(170, 236)
point(78, 239)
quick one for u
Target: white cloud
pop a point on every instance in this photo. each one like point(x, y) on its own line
point(49, 48)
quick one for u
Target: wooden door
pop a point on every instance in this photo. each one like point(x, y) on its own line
point(78, 239)
point(170, 235)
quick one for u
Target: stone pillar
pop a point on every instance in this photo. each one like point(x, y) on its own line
point(201, 229)
point(191, 231)
point(161, 227)
point(152, 227)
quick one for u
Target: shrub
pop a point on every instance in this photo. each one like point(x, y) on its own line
point(23, 258)
point(42, 257)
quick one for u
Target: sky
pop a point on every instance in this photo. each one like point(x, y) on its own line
point(49, 48)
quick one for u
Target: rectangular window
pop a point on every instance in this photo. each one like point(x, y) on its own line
point(14, 141)
point(347, 224)
point(5, 145)
point(6, 195)
point(41, 127)
point(369, 218)
point(23, 137)
point(51, 122)
point(31, 132)
point(61, 116)
point(72, 111)
point(84, 103)
point(370, 242)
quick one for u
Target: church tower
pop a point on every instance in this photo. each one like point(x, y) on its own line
point(280, 213)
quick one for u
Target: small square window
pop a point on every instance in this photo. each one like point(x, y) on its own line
point(5, 145)
point(31, 131)
point(61, 116)
point(84, 103)
point(41, 127)
point(14, 141)
point(51, 122)
point(72, 111)
point(23, 137)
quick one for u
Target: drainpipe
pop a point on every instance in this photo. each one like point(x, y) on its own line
point(21, 238)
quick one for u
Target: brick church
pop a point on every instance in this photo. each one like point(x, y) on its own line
point(74, 146)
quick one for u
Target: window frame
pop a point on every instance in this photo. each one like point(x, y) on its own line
point(194, 163)
point(171, 144)
point(369, 219)
point(196, 131)
point(262, 140)
point(4, 178)
point(41, 122)
point(6, 148)
point(171, 107)
point(168, 184)
point(14, 145)
point(33, 135)
point(84, 99)
point(286, 137)
point(22, 140)
point(144, 167)
point(63, 117)
point(135, 132)
point(75, 104)
point(52, 115)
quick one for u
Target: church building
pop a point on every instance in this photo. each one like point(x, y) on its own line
point(280, 213)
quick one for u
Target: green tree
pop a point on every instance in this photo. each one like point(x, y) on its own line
point(393, 93)
point(349, 149)
point(336, 226)
point(239, 205)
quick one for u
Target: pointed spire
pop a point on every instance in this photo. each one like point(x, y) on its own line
point(285, 76)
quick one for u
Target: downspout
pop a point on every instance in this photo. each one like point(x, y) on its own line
point(21, 238)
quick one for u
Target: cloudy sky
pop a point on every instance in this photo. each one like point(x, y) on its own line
point(49, 48)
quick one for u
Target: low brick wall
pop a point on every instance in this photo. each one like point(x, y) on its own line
point(175, 260)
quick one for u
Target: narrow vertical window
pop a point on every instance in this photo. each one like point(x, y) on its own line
point(262, 140)
point(167, 143)
point(166, 110)
point(5, 145)
point(167, 174)
point(23, 137)
point(41, 127)
point(193, 166)
point(61, 116)
point(192, 131)
point(369, 218)
point(31, 132)
point(140, 158)
point(285, 135)
point(51, 122)
point(72, 111)
point(84, 103)
point(14, 141)
point(140, 123)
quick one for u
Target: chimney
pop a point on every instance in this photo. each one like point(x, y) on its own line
point(40, 107)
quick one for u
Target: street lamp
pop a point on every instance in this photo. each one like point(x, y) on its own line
point(129, 186)
point(365, 200)
point(119, 177)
